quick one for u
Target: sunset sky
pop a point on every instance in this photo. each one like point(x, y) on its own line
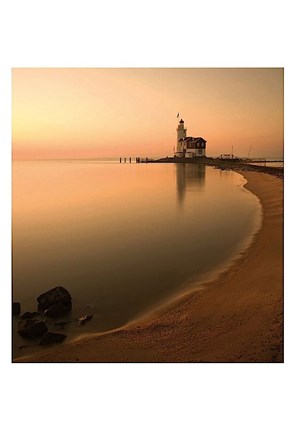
point(88, 113)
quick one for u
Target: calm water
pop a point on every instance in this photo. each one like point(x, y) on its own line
point(123, 238)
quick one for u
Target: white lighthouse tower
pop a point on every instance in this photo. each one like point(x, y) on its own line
point(189, 147)
point(181, 135)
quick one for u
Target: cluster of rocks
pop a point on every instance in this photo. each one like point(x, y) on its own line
point(54, 303)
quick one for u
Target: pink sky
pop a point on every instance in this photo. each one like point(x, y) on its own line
point(88, 113)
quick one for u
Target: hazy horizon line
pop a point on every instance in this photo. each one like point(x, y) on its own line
point(127, 158)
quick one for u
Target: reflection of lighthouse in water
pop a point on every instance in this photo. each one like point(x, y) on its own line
point(189, 177)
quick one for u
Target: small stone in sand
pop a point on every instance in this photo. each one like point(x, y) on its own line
point(85, 318)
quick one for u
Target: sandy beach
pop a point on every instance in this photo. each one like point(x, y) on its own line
point(236, 318)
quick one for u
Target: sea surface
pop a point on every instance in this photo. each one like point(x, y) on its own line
point(122, 238)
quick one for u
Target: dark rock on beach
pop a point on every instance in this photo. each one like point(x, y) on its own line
point(55, 302)
point(56, 295)
point(29, 315)
point(51, 338)
point(31, 328)
point(85, 318)
point(57, 309)
point(15, 309)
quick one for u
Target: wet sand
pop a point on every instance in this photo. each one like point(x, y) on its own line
point(236, 318)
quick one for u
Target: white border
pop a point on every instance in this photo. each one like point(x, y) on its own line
point(210, 397)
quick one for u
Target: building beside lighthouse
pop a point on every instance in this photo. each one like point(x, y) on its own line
point(189, 147)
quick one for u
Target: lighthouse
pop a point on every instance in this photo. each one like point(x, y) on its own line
point(181, 135)
point(189, 147)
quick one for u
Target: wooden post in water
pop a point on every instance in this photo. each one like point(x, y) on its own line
point(120, 160)
point(124, 160)
point(130, 160)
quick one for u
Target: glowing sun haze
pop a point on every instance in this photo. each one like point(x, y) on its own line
point(88, 113)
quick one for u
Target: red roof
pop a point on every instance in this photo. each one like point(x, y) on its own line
point(193, 139)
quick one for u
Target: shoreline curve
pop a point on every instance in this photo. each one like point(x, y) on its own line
point(239, 319)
